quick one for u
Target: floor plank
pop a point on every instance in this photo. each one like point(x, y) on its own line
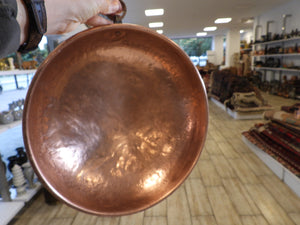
point(197, 198)
point(223, 209)
point(254, 220)
point(158, 210)
point(209, 173)
point(134, 219)
point(287, 199)
point(222, 166)
point(240, 198)
point(204, 220)
point(178, 208)
point(155, 221)
point(268, 206)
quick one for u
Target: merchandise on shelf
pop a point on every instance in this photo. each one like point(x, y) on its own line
point(277, 37)
point(14, 113)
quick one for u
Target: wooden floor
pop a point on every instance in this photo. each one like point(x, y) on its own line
point(229, 185)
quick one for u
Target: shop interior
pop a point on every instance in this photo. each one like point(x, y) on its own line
point(245, 168)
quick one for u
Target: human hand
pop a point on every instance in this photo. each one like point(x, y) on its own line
point(65, 16)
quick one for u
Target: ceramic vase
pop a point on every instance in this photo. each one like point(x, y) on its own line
point(28, 174)
point(21, 154)
point(18, 179)
point(12, 161)
point(17, 114)
point(11, 63)
point(6, 117)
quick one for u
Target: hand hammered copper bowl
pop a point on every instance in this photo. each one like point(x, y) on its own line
point(115, 119)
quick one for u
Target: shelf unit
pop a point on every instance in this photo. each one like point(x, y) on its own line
point(277, 41)
point(277, 69)
point(285, 56)
point(8, 210)
point(278, 55)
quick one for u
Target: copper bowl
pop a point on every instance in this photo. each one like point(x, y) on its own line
point(115, 119)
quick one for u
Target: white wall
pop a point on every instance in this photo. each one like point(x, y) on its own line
point(247, 36)
point(276, 15)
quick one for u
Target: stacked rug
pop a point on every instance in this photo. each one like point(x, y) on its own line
point(280, 136)
point(237, 93)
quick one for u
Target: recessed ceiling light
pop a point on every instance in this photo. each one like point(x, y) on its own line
point(210, 28)
point(223, 20)
point(201, 34)
point(156, 24)
point(160, 31)
point(154, 12)
point(242, 31)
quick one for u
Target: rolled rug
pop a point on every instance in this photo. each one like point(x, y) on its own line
point(283, 116)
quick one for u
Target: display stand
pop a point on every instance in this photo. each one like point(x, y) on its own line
point(283, 173)
point(8, 210)
point(239, 115)
point(27, 196)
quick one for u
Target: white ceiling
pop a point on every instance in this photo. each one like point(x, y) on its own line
point(185, 18)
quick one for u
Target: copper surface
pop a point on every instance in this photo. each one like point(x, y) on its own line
point(115, 119)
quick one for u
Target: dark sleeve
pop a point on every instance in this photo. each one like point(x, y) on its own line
point(9, 27)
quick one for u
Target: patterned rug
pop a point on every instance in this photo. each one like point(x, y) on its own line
point(279, 142)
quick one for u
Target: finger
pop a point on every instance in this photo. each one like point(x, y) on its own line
point(114, 7)
point(97, 21)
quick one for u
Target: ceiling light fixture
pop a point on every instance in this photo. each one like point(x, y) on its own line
point(201, 34)
point(242, 31)
point(210, 28)
point(154, 12)
point(160, 31)
point(223, 20)
point(156, 24)
point(247, 20)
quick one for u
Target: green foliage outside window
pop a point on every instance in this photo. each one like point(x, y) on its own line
point(195, 46)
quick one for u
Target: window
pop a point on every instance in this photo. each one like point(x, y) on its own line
point(196, 48)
